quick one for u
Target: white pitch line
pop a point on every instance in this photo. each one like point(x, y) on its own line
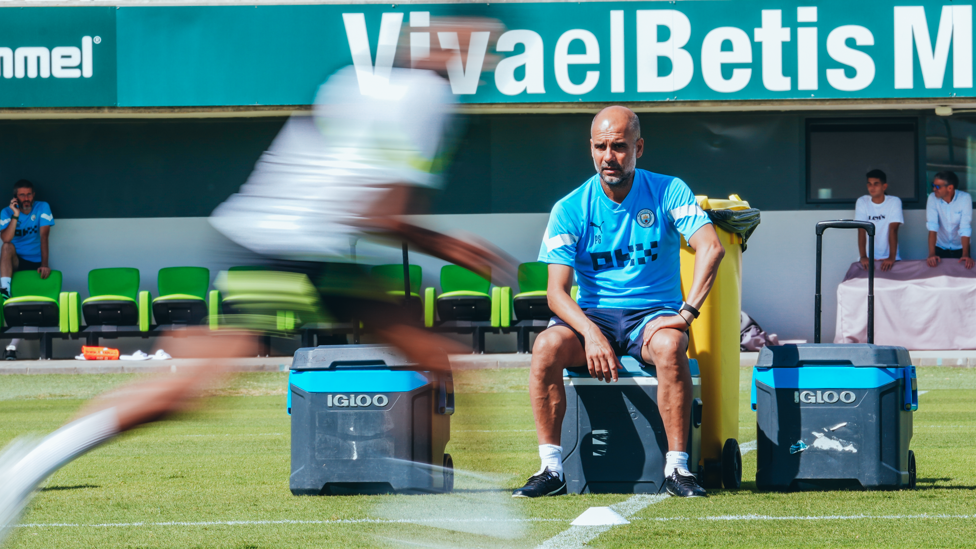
point(494, 430)
point(579, 536)
point(272, 522)
point(735, 518)
point(549, 543)
point(920, 393)
point(747, 447)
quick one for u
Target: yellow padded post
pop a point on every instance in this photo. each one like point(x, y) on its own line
point(213, 309)
point(74, 312)
point(496, 305)
point(145, 311)
point(430, 306)
point(506, 307)
point(64, 324)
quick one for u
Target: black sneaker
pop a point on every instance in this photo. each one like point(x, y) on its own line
point(684, 486)
point(10, 354)
point(545, 483)
point(5, 293)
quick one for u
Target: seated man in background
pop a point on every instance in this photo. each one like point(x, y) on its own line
point(949, 218)
point(25, 227)
point(885, 212)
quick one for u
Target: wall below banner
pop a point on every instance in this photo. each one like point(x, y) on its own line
point(778, 267)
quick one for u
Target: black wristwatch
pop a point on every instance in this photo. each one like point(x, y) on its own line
point(686, 307)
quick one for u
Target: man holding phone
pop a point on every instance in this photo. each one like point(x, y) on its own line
point(25, 226)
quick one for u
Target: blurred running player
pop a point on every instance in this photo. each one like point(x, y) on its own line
point(348, 172)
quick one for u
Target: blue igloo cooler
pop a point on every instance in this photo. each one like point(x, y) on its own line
point(365, 420)
point(613, 438)
point(834, 416)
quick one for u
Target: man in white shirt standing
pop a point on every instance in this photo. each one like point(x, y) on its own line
point(949, 218)
point(885, 212)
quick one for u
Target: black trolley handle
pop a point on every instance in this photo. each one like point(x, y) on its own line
point(845, 224)
point(406, 277)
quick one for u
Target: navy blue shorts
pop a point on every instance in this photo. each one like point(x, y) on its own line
point(623, 328)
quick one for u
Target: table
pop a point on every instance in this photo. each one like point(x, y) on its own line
point(915, 306)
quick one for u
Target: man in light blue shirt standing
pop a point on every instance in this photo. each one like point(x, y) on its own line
point(949, 219)
point(620, 235)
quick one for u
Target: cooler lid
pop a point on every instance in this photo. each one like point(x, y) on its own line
point(861, 355)
point(335, 357)
point(631, 368)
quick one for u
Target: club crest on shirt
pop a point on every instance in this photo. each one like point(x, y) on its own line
point(645, 218)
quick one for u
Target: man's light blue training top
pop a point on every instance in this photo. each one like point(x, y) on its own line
point(27, 239)
point(625, 255)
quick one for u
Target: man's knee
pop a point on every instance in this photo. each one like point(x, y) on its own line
point(550, 348)
point(669, 347)
point(8, 251)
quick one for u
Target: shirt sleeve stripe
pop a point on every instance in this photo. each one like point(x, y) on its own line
point(559, 241)
point(685, 211)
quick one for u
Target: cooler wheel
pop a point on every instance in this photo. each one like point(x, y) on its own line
point(731, 465)
point(911, 470)
point(448, 473)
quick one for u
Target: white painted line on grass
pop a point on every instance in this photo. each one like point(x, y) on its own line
point(920, 393)
point(578, 536)
point(549, 543)
point(494, 430)
point(747, 447)
point(240, 435)
point(736, 518)
point(271, 522)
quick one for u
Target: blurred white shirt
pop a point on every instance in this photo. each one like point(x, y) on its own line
point(322, 172)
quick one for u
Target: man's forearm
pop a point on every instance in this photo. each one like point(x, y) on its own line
point(965, 246)
point(892, 241)
point(562, 305)
point(862, 243)
point(7, 235)
point(707, 261)
point(932, 237)
point(44, 245)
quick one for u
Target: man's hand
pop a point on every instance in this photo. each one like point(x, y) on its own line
point(44, 272)
point(933, 260)
point(15, 206)
point(600, 358)
point(967, 261)
point(675, 322)
point(864, 263)
point(887, 264)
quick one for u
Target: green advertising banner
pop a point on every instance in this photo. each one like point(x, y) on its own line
point(57, 57)
point(191, 56)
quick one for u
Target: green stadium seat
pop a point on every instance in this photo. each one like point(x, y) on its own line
point(468, 304)
point(465, 295)
point(37, 308)
point(115, 306)
point(182, 297)
point(531, 303)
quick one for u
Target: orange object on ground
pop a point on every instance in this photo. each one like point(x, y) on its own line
point(99, 353)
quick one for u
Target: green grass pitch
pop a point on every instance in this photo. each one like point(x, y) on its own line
point(218, 477)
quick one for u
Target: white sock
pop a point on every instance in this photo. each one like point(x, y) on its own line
point(5, 282)
point(13, 344)
point(552, 457)
point(676, 460)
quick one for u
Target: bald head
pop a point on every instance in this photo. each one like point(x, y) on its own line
point(616, 144)
point(617, 116)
